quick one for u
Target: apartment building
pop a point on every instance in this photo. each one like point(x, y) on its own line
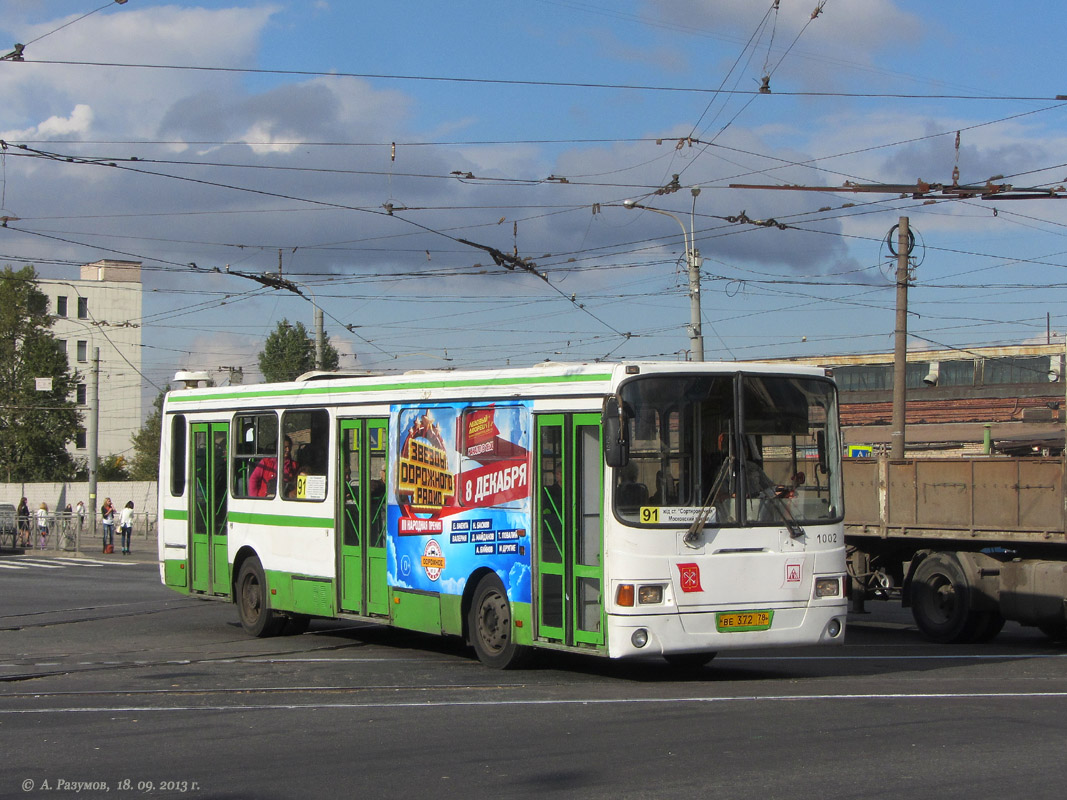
point(102, 311)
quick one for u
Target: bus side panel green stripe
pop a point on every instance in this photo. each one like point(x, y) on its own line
point(175, 513)
point(279, 520)
point(392, 387)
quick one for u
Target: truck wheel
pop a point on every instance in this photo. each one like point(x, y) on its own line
point(252, 606)
point(489, 624)
point(941, 602)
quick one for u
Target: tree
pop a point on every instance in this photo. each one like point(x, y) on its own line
point(290, 352)
point(145, 463)
point(112, 468)
point(38, 419)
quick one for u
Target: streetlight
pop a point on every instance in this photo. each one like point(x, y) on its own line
point(693, 261)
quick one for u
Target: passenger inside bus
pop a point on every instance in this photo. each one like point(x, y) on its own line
point(262, 481)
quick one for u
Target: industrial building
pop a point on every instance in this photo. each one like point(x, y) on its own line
point(963, 401)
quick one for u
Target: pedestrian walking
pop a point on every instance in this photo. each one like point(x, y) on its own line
point(126, 526)
point(80, 511)
point(42, 526)
point(23, 514)
point(107, 512)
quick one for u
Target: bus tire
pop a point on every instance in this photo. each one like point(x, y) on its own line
point(490, 627)
point(252, 605)
point(941, 602)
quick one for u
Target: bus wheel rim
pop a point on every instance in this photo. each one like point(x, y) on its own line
point(493, 622)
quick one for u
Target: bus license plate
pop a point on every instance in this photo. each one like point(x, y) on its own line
point(744, 620)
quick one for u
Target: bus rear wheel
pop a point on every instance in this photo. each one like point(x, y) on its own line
point(252, 607)
point(490, 627)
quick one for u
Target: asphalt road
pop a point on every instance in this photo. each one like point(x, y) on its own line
point(112, 685)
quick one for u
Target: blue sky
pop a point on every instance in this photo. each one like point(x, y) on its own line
point(521, 127)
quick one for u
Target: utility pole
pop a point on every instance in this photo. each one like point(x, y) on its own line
point(900, 344)
point(320, 337)
point(692, 263)
point(320, 334)
point(94, 429)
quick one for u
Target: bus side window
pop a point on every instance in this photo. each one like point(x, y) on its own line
point(255, 455)
point(309, 431)
point(177, 456)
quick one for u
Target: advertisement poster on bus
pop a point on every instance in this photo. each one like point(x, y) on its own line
point(459, 495)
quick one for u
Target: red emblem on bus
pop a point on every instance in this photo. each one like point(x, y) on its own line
point(690, 577)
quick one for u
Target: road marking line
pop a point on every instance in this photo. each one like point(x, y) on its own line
point(792, 698)
point(41, 564)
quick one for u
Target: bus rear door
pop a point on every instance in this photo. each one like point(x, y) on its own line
point(362, 558)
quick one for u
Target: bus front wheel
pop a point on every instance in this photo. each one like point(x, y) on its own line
point(256, 617)
point(490, 627)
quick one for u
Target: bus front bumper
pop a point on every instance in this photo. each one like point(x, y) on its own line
point(650, 635)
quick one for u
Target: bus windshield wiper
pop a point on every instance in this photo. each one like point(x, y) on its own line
point(690, 538)
point(772, 495)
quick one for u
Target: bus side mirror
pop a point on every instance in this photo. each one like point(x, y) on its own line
point(820, 445)
point(616, 445)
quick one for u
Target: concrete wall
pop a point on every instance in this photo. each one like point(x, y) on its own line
point(57, 495)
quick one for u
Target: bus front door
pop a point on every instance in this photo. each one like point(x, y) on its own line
point(570, 573)
point(362, 560)
point(209, 561)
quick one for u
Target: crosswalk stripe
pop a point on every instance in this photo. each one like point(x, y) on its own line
point(61, 563)
point(41, 564)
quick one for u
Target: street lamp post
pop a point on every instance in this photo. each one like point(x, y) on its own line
point(693, 261)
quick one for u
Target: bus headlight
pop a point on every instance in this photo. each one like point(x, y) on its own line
point(827, 587)
point(639, 638)
point(650, 595)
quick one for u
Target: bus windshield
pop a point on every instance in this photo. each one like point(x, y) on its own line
point(748, 450)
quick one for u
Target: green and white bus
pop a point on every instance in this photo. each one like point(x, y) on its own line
point(624, 510)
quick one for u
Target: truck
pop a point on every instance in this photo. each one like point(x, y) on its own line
point(965, 543)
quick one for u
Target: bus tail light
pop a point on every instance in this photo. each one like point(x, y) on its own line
point(827, 587)
point(624, 595)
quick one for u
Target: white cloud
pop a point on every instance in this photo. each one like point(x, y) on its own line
point(128, 99)
point(79, 121)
